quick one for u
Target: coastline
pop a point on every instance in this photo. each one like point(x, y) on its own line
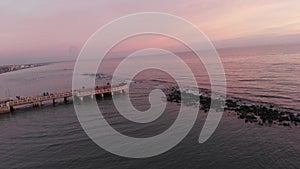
point(14, 68)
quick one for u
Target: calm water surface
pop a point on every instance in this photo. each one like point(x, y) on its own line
point(51, 137)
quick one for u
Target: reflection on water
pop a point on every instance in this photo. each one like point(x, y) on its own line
point(51, 137)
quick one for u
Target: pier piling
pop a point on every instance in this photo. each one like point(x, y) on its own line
point(54, 102)
point(66, 99)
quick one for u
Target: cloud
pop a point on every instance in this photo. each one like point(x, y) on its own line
point(35, 27)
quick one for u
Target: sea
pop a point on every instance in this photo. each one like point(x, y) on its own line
point(52, 137)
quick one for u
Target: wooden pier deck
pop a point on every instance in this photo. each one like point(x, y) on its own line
point(39, 100)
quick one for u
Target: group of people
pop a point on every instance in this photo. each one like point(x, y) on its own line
point(46, 94)
point(103, 87)
point(22, 98)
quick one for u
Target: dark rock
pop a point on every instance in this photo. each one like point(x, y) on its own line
point(252, 113)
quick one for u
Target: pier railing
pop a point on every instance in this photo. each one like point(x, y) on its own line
point(39, 100)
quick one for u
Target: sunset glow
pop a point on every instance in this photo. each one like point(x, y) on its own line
point(44, 29)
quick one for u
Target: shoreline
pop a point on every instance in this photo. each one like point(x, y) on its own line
point(13, 68)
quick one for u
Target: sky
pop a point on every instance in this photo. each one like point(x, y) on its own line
point(54, 30)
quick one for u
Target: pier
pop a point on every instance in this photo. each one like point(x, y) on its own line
point(36, 101)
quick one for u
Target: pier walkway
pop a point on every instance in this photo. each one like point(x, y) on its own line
point(9, 105)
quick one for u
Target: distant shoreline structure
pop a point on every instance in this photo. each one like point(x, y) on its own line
point(13, 68)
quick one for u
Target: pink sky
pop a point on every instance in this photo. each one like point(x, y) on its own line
point(49, 30)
